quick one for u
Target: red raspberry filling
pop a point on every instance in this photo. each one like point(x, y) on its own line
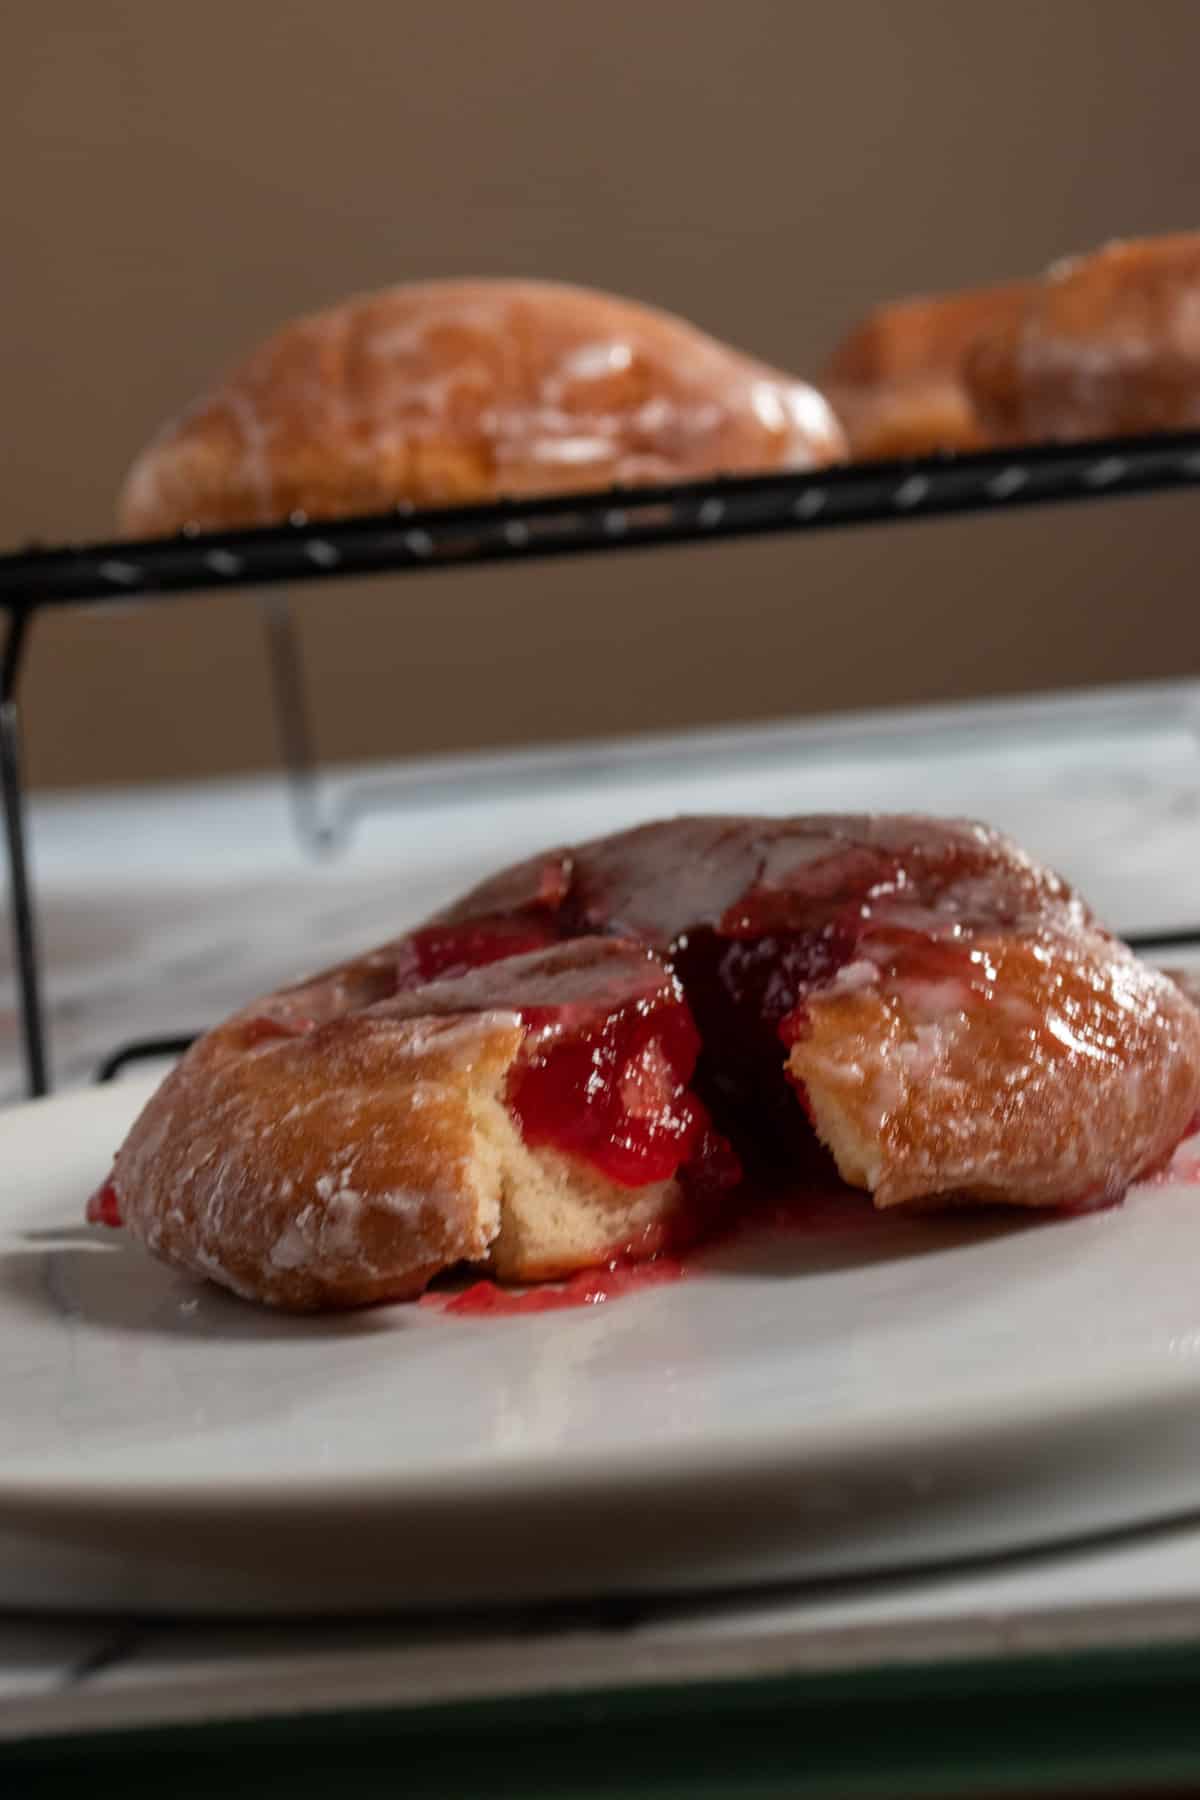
point(614, 1091)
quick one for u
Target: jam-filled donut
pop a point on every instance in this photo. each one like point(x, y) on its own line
point(896, 380)
point(576, 1061)
point(1105, 345)
point(466, 391)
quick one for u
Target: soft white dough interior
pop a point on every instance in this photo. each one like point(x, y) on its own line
point(552, 1212)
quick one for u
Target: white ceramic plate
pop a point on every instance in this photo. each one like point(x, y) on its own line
point(849, 1398)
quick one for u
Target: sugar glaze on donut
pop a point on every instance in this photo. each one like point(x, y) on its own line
point(466, 391)
point(577, 1061)
point(1105, 345)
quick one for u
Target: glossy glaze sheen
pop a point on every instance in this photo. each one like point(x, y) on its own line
point(896, 380)
point(616, 1093)
point(944, 1011)
point(1105, 345)
point(971, 1018)
point(467, 391)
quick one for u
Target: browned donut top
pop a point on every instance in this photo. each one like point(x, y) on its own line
point(467, 390)
point(1106, 345)
point(896, 379)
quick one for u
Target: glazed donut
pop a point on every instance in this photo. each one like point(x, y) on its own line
point(468, 391)
point(896, 380)
point(576, 1061)
point(1106, 345)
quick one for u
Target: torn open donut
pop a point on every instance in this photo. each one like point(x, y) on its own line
point(576, 1061)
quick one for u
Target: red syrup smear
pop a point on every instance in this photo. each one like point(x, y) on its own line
point(104, 1208)
point(819, 1212)
point(590, 1287)
point(823, 1208)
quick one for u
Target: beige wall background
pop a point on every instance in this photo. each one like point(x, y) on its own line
point(175, 180)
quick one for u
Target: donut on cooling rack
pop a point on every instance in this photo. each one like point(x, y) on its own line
point(1105, 345)
point(896, 380)
point(469, 391)
point(576, 1061)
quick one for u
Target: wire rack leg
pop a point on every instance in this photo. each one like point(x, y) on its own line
point(297, 739)
point(24, 927)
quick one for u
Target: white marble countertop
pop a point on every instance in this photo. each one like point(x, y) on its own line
point(64, 1676)
point(162, 908)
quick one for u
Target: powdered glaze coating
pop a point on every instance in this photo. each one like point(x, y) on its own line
point(471, 390)
point(956, 1024)
point(1039, 1069)
point(329, 1167)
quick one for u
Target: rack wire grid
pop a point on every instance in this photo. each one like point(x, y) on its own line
point(407, 541)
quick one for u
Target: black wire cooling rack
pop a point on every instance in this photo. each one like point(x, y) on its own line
point(405, 541)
